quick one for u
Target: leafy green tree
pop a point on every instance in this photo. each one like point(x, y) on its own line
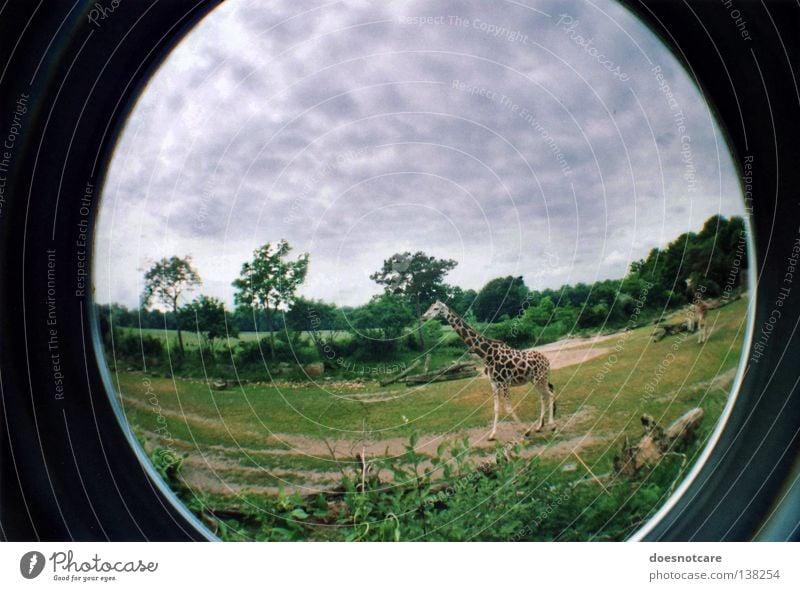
point(594, 315)
point(461, 300)
point(247, 319)
point(311, 315)
point(577, 295)
point(567, 316)
point(165, 281)
point(387, 312)
point(541, 314)
point(418, 278)
point(708, 256)
point(504, 296)
point(209, 317)
point(711, 256)
point(269, 282)
point(341, 317)
point(145, 318)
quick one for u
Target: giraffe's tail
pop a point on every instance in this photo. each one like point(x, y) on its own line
point(553, 394)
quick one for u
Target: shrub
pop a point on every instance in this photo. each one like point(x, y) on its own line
point(299, 350)
point(370, 345)
point(451, 339)
point(513, 332)
point(433, 334)
point(549, 333)
point(132, 346)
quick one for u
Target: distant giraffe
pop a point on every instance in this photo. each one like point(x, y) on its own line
point(505, 367)
point(699, 311)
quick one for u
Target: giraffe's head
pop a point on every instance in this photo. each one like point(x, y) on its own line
point(435, 310)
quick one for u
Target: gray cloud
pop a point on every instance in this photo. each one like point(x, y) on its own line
point(359, 129)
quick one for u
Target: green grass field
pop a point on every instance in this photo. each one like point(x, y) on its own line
point(258, 437)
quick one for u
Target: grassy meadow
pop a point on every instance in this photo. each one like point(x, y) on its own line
point(278, 459)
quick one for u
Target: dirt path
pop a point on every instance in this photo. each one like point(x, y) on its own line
point(565, 357)
point(577, 342)
point(574, 351)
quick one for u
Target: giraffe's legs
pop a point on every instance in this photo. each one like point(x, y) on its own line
point(546, 400)
point(496, 394)
point(509, 406)
point(700, 325)
point(551, 399)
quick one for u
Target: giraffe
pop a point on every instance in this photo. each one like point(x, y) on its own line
point(699, 311)
point(505, 367)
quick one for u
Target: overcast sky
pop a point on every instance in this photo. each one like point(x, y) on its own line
point(534, 140)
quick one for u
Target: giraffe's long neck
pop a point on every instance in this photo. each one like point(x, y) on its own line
point(475, 342)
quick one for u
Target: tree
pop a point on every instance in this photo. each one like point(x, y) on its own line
point(567, 316)
point(209, 317)
point(542, 314)
point(311, 315)
point(417, 277)
point(386, 312)
point(712, 256)
point(504, 296)
point(595, 315)
point(461, 300)
point(166, 281)
point(269, 282)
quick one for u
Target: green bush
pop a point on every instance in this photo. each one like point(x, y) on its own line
point(132, 346)
point(451, 339)
point(370, 345)
point(549, 334)
point(521, 333)
point(511, 332)
point(299, 350)
point(432, 332)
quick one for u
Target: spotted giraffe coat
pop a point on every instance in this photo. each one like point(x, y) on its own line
point(504, 365)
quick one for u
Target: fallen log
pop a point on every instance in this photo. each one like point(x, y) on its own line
point(688, 324)
point(672, 328)
point(402, 374)
point(454, 371)
point(657, 442)
point(455, 367)
point(684, 427)
point(440, 377)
